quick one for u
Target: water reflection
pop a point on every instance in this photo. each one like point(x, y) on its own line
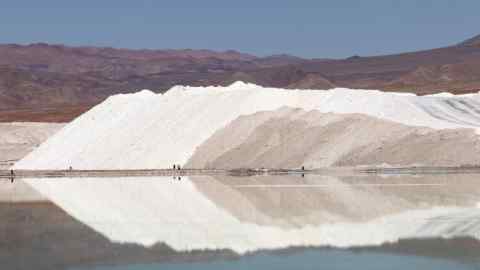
point(245, 214)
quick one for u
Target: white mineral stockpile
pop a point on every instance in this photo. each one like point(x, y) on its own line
point(200, 214)
point(147, 130)
point(291, 138)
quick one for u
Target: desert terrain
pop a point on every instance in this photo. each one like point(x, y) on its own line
point(46, 77)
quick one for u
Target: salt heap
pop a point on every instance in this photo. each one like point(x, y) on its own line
point(150, 131)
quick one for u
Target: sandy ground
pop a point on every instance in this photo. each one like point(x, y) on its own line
point(19, 139)
point(291, 138)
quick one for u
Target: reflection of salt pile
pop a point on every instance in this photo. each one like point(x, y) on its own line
point(145, 130)
point(151, 210)
point(19, 192)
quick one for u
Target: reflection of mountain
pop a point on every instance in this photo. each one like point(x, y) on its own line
point(462, 249)
point(247, 214)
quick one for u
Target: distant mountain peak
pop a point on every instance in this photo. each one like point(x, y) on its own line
point(282, 56)
point(475, 41)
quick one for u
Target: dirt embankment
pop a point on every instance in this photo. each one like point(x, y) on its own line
point(50, 115)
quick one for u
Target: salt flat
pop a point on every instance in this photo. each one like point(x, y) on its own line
point(19, 139)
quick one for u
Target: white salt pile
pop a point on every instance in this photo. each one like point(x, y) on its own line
point(147, 130)
point(291, 138)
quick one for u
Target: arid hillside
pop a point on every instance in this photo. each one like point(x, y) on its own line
point(55, 78)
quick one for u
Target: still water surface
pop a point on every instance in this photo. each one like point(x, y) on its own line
point(218, 222)
point(334, 259)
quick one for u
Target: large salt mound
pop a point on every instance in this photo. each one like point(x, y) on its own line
point(145, 130)
point(290, 138)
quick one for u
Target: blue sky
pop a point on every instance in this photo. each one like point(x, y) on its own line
point(321, 29)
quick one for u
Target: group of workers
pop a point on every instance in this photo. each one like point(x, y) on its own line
point(177, 167)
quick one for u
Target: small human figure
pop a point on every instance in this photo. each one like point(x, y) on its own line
point(12, 176)
point(303, 168)
point(178, 166)
point(179, 178)
point(174, 167)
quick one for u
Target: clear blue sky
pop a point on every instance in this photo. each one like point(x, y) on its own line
point(318, 28)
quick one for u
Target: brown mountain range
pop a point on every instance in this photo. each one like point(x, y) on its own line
point(44, 82)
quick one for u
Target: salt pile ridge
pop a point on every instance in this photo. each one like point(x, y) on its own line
point(147, 130)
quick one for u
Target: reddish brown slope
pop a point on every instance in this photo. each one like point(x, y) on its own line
point(42, 76)
point(398, 72)
point(39, 76)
